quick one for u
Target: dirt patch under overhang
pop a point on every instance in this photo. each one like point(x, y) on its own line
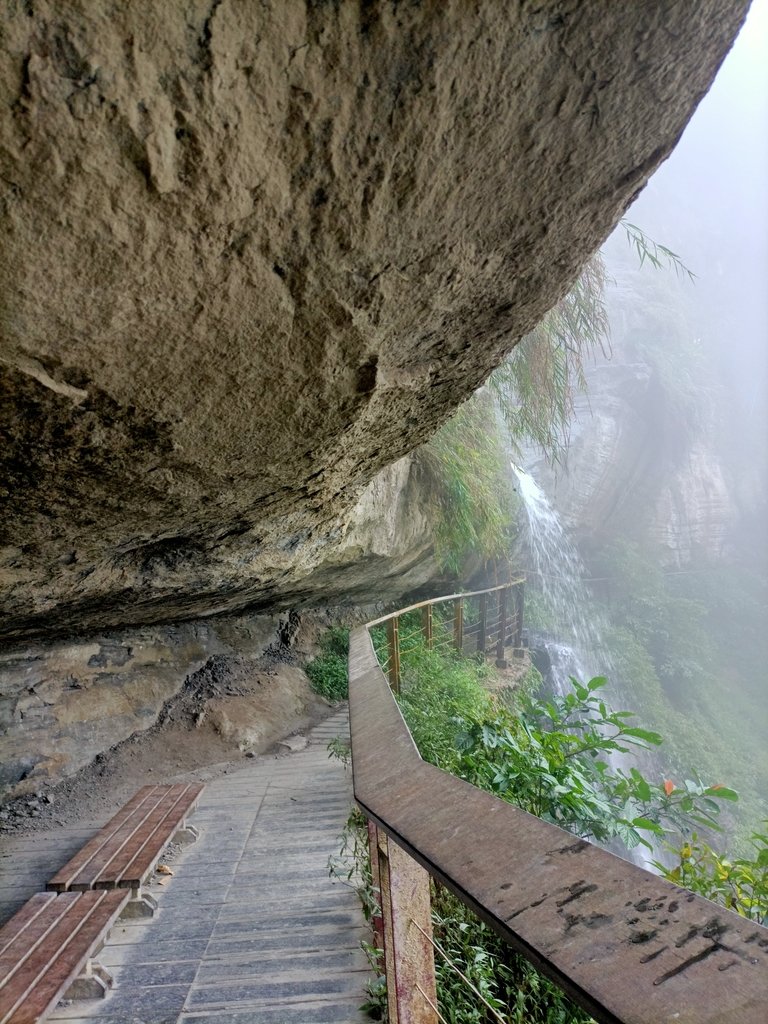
point(230, 711)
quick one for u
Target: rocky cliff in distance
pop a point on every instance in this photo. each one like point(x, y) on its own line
point(254, 253)
point(645, 460)
point(623, 477)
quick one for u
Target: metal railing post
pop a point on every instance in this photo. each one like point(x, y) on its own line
point(393, 642)
point(408, 953)
point(426, 625)
point(500, 659)
point(483, 623)
point(458, 623)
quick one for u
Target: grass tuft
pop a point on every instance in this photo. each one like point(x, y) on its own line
point(328, 672)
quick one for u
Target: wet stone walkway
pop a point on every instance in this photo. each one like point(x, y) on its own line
point(250, 929)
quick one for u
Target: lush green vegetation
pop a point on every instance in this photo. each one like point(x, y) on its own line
point(328, 672)
point(740, 884)
point(475, 497)
point(549, 756)
point(500, 987)
point(693, 649)
point(536, 383)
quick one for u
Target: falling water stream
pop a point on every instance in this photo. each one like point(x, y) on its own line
point(574, 645)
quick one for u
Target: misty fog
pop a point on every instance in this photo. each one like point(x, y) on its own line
point(665, 483)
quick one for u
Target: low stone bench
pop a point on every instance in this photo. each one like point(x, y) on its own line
point(123, 853)
point(46, 950)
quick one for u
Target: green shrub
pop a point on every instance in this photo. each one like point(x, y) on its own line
point(740, 885)
point(547, 756)
point(328, 673)
point(692, 650)
point(506, 981)
point(440, 694)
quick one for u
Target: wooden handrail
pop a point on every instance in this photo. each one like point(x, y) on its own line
point(442, 600)
point(628, 946)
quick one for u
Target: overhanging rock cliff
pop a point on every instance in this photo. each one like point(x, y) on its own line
point(254, 253)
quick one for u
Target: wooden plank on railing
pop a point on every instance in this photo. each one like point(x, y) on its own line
point(502, 642)
point(442, 600)
point(408, 954)
point(628, 946)
point(519, 608)
point(377, 919)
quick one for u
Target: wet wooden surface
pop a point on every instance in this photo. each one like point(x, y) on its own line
point(124, 851)
point(625, 944)
point(45, 946)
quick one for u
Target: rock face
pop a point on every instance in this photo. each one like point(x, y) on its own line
point(625, 477)
point(386, 550)
point(62, 704)
point(611, 451)
point(695, 512)
point(253, 253)
point(643, 461)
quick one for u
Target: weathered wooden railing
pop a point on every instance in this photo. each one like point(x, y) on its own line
point(623, 943)
point(497, 625)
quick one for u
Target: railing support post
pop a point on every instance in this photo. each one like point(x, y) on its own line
point(377, 919)
point(393, 642)
point(426, 625)
point(500, 659)
point(458, 623)
point(519, 605)
point(483, 623)
point(408, 953)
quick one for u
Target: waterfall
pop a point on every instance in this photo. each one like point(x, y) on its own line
point(574, 643)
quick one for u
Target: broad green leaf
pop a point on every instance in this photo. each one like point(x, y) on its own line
point(652, 826)
point(643, 791)
point(722, 792)
point(644, 734)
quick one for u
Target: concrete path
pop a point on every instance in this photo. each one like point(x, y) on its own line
point(250, 929)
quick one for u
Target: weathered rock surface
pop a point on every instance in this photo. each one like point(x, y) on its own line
point(695, 512)
point(386, 549)
point(628, 475)
point(62, 705)
point(251, 720)
point(253, 253)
